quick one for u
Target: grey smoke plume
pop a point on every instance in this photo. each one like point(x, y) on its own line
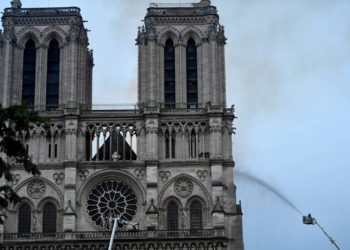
point(268, 187)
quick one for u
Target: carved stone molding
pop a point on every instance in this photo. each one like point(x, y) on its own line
point(202, 175)
point(15, 179)
point(164, 175)
point(183, 187)
point(58, 177)
point(140, 173)
point(36, 189)
point(83, 174)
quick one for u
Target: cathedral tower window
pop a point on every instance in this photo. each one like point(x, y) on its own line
point(172, 216)
point(24, 218)
point(49, 218)
point(170, 144)
point(53, 75)
point(28, 82)
point(169, 74)
point(191, 69)
point(196, 215)
point(193, 144)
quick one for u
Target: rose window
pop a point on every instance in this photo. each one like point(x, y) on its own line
point(110, 199)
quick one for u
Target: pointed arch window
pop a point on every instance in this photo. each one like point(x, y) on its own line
point(53, 75)
point(191, 71)
point(24, 218)
point(49, 218)
point(193, 145)
point(172, 216)
point(28, 77)
point(196, 215)
point(169, 74)
point(170, 144)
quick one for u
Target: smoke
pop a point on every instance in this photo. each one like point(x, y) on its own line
point(267, 187)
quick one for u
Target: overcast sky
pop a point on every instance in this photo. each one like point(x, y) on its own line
point(288, 73)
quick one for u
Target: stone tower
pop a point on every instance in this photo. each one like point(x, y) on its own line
point(60, 73)
point(166, 164)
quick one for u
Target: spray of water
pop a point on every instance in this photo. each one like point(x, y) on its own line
point(268, 187)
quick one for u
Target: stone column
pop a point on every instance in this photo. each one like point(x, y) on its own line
point(218, 212)
point(41, 78)
point(180, 75)
point(215, 124)
point(152, 215)
point(69, 215)
point(205, 72)
point(6, 72)
point(199, 76)
point(213, 66)
point(152, 138)
point(151, 73)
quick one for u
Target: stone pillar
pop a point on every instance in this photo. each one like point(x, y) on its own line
point(143, 68)
point(205, 72)
point(213, 66)
point(6, 69)
point(180, 75)
point(152, 138)
point(199, 76)
point(221, 74)
point(215, 124)
point(41, 78)
point(71, 138)
point(69, 215)
point(218, 212)
point(151, 73)
point(152, 214)
point(15, 94)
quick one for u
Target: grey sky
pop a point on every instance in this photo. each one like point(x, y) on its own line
point(288, 73)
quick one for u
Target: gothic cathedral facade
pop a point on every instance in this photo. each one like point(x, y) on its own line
point(166, 164)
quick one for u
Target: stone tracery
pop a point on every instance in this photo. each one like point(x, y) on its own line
point(111, 199)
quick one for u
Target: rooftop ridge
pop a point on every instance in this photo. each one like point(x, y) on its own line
point(42, 12)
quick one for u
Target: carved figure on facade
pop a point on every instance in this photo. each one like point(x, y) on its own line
point(140, 173)
point(183, 187)
point(58, 177)
point(36, 189)
point(141, 36)
point(202, 175)
point(15, 179)
point(164, 175)
point(83, 174)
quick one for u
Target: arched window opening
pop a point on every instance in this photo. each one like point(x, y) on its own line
point(24, 218)
point(49, 218)
point(172, 216)
point(196, 215)
point(193, 145)
point(191, 69)
point(28, 77)
point(111, 143)
point(170, 144)
point(169, 74)
point(53, 75)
